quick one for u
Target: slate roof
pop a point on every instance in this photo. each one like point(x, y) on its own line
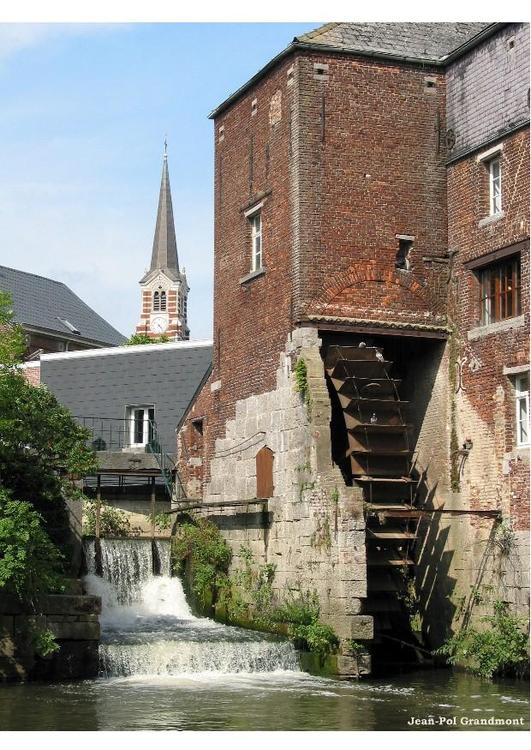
point(428, 43)
point(415, 41)
point(102, 382)
point(49, 305)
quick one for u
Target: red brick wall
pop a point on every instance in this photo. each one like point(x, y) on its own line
point(372, 164)
point(32, 374)
point(354, 159)
point(484, 385)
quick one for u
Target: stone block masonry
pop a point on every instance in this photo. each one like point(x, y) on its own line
point(315, 531)
point(74, 622)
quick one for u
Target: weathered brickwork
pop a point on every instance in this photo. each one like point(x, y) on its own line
point(32, 373)
point(490, 555)
point(348, 158)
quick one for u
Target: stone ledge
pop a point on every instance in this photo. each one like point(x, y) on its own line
point(493, 328)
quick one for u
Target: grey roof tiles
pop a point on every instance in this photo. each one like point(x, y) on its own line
point(420, 41)
point(49, 305)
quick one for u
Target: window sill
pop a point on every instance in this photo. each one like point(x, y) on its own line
point(252, 276)
point(491, 219)
point(492, 328)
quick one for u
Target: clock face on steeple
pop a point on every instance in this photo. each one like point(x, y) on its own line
point(159, 324)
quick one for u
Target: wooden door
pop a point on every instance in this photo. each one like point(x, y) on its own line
point(264, 473)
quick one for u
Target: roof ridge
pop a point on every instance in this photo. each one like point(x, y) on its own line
point(319, 30)
point(35, 275)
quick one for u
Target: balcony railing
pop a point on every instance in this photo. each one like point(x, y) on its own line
point(110, 434)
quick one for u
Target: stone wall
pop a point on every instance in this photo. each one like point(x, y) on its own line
point(74, 622)
point(314, 532)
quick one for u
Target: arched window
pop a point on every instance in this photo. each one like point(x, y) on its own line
point(163, 300)
point(156, 301)
point(264, 473)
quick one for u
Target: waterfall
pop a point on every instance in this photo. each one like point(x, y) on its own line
point(149, 629)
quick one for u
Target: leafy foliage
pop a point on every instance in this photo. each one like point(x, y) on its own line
point(12, 338)
point(113, 522)
point(42, 449)
point(208, 554)
point(246, 597)
point(316, 637)
point(44, 643)
point(143, 338)
point(301, 380)
point(30, 564)
point(304, 627)
point(500, 649)
point(162, 521)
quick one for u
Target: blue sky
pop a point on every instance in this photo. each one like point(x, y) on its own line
point(84, 112)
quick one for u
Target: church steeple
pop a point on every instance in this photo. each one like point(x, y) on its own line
point(164, 309)
point(164, 254)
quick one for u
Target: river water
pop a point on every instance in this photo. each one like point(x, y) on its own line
point(163, 668)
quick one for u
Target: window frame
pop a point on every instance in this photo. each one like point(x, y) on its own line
point(147, 422)
point(156, 302)
point(500, 295)
point(521, 395)
point(257, 256)
point(495, 181)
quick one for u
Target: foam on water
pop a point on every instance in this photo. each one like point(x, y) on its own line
point(148, 628)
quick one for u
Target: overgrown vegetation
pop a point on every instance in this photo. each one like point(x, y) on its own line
point(42, 451)
point(301, 380)
point(162, 521)
point(246, 597)
point(113, 522)
point(502, 648)
point(44, 643)
point(143, 338)
point(208, 556)
point(30, 564)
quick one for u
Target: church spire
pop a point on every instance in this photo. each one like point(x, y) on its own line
point(164, 255)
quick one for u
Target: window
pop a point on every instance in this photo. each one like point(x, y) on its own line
point(495, 196)
point(402, 261)
point(141, 424)
point(256, 241)
point(197, 424)
point(159, 301)
point(522, 409)
point(500, 291)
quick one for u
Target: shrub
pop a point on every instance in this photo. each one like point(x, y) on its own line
point(162, 521)
point(301, 380)
point(30, 564)
point(209, 556)
point(143, 338)
point(44, 643)
point(501, 649)
point(316, 637)
point(302, 617)
point(113, 522)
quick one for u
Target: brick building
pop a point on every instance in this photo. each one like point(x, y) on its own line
point(358, 383)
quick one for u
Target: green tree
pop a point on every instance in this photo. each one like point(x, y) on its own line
point(143, 338)
point(42, 450)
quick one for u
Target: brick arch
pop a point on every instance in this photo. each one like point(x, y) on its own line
point(372, 290)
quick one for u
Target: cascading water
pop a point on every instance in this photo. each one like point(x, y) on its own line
point(149, 629)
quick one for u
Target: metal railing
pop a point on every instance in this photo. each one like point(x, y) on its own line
point(111, 434)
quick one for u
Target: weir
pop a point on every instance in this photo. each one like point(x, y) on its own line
point(149, 629)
